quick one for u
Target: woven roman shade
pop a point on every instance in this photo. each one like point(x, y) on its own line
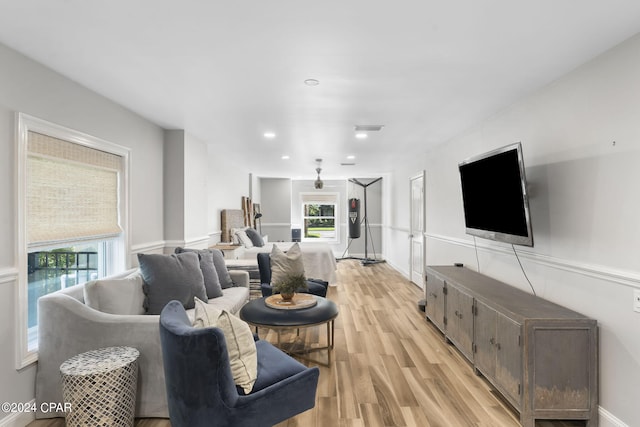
point(72, 191)
point(320, 198)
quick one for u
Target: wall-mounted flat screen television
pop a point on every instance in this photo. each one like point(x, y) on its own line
point(494, 195)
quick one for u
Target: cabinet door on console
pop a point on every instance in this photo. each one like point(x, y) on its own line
point(459, 309)
point(435, 300)
point(485, 340)
point(563, 383)
point(509, 358)
point(498, 353)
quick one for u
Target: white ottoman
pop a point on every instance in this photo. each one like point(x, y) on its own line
point(100, 386)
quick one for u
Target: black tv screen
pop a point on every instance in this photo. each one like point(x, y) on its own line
point(494, 196)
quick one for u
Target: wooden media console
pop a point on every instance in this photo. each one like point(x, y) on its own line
point(542, 357)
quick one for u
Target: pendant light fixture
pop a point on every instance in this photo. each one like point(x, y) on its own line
point(318, 184)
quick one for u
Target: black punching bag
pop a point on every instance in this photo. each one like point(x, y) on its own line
point(354, 218)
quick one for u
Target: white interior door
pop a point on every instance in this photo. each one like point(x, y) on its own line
point(416, 232)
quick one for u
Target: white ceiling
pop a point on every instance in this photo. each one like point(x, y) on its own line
point(227, 71)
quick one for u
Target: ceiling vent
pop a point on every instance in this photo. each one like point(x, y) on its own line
point(347, 164)
point(368, 128)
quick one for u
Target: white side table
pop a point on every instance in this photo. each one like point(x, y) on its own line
point(100, 385)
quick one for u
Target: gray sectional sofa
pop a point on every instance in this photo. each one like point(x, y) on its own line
point(70, 325)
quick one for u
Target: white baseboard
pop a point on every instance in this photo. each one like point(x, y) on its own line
point(18, 419)
point(607, 419)
point(397, 268)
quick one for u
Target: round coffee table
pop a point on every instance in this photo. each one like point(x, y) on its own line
point(258, 314)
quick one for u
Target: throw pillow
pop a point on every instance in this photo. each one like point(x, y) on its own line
point(211, 279)
point(116, 296)
point(244, 238)
point(255, 237)
point(171, 277)
point(221, 269)
point(286, 264)
point(208, 268)
point(243, 356)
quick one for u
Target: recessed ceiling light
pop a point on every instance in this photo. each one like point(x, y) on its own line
point(361, 135)
point(285, 157)
point(312, 82)
point(269, 135)
point(351, 157)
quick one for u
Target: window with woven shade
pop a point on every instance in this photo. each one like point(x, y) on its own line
point(71, 216)
point(72, 192)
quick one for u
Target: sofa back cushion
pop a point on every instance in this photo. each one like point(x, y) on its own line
point(171, 277)
point(209, 273)
point(221, 268)
point(116, 296)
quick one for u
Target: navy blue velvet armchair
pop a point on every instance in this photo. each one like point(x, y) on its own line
point(200, 387)
point(314, 286)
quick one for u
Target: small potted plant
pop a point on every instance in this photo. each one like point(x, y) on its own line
point(288, 287)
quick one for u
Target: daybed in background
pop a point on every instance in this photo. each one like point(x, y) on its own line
point(319, 260)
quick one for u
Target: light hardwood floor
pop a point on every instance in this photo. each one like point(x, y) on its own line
point(390, 366)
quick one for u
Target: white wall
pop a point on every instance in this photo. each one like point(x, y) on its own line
point(584, 203)
point(276, 208)
point(196, 210)
point(228, 180)
point(186, 191)
point(173, 184)
point(28, 87)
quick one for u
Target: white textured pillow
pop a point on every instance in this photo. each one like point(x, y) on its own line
point(244, 239)
point(116, 296)
point(241, 347)
point(286, 264)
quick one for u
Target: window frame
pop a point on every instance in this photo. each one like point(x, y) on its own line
point(118, 256)
point(322, 199)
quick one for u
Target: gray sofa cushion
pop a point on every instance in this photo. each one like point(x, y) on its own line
point(171, 277)
point(209, 272)
point(221, 268)
point(116, 296)
point(211, 279)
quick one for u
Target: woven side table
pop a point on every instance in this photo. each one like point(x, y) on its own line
point(101, 385)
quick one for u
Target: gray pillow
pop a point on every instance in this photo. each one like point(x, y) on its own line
point(171, 277)
point(116, 296)
point(221, 268)
point(211, 279)
point(255, 237)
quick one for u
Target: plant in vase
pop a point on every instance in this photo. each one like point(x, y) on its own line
point(288, 287)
